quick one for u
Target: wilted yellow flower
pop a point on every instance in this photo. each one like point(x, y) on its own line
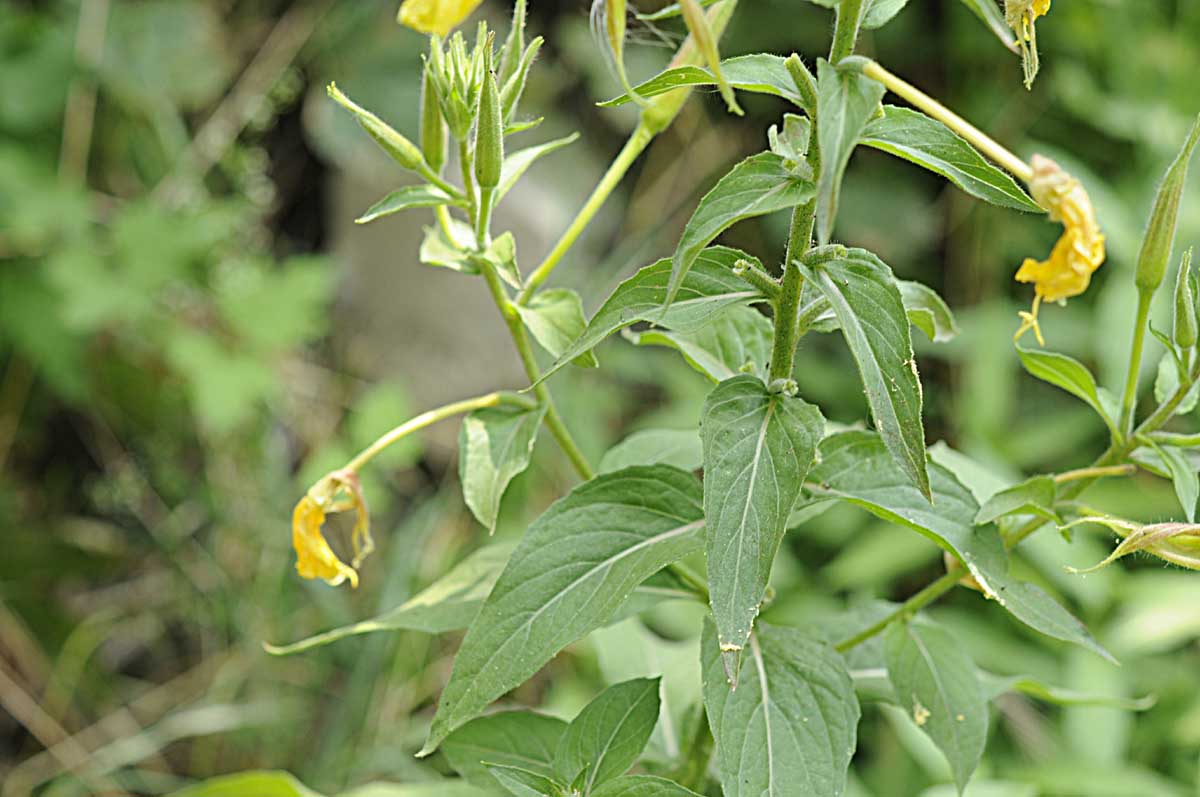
point(1177, 543)
point(1021, 16)
point(337, 492)
point(1078, 253)
point(436, 16)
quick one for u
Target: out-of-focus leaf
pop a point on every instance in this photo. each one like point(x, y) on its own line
point(876, 14)
point(927, 311)
point(989, 13)
point(518, 162)
point(260, 784)
point(678, 447)
point(996, 685)
point(761, 73)
point(1033, 496)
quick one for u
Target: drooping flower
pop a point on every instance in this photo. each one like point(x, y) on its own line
point(1021, 16)
point(339, 491)
point(1078, 253)
point(437, 17)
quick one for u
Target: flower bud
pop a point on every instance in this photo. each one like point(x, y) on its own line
point(1185, 304)
point(1160, 233)
point(1177, 543)
point(489, 134)
point(433, 126)
point(400, 148)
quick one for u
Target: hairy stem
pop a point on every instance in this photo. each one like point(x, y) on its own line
point(845, 33)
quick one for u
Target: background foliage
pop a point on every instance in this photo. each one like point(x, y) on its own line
point(189, 335)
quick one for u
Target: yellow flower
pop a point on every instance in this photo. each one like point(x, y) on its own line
point(1078, 253)
point(436, 16)
point(337, 492)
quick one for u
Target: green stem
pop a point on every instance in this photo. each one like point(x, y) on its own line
point(483, 219)
point(926, 596)
point(429, 418)
point(1177, 440)
point(435, 178)
point(786, 310)
point(1094, 473)
point(637, 143)
point(845, 33)
point(467, 167)
point(1129, 400)
point(758, 278)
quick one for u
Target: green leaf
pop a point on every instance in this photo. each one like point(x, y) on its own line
point(448, 604)
point(915, 137)
point(736, 341)
point(759, 185)
point(927, 311)
point(512, 738)
point(494, 446)
point(761, 73)
point(678, 447)
point(572, 571)
point(502, 255)
point(260, 784)
point(846, 101)
point(449, 251)
point(448, 787)
point(1035, 496)
point(642, 786)
point(758, 446)
point(1183, 476)
point(406, 198)
point(1070, 375)
point(1166, 382)
point(555, 317)
point(709, 288)
point(936, 682)
point(609, 734)
point(856, 467)
point(517, 163)
point(521, 782)
point(996, 685)
point(989, 12)
point(877, 13)
point(863, 293)
point(790, 727)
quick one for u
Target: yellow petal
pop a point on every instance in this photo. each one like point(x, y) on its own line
point(436, 16)
point(314, 557)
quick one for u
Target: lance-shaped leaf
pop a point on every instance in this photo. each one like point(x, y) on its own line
point(989, 13)
point(735, 342)
point(759, 185)
point(856, 467)
point(609, 734)
point(927, 311)
point(521, 782)
point(448, 604)
point(494, 446)
point(846, 101)
point(876, 14)
point(709, 287)
point(936, 681)
point(996, 685)
point(678, 447)
point(790, 727)
point(870, 310)
point(642, 786)
point(517, 163)
point(760, 73)
point(511, 738)
point(1035, 496)
point(758, 446)
point(572, 571)
point(1070, 375)
point(927, 142)
point(555, 317)
point(406, 198)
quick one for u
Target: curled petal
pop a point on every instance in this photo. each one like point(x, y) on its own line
point(339, 491)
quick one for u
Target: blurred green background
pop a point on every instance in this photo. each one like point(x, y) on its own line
point(192, 330)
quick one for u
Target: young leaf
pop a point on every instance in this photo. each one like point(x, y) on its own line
point(555, 317)
point(494, 446)
point(1166, 382)
point(927, 311)
point(1070, 375)
point(759, 185)
point(790, 727)
point(936, 682)
point(709, 288)
point(572, 571)
point(512, 738)
point(410, 196)
point(448, 604)
point(1183, 476)
point(863, 293)
point(517, 163)
point(856, 467)
point(734, 342)
point(642, 786)
point(927, 142)
point(521, 782)
point(877, 13)
point(761, 73)
point(453, 251)
point(678, 447)
point(846, 101)
point(1033, 496)
point(989, 12)
point(758, 446)
point(608, 735)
